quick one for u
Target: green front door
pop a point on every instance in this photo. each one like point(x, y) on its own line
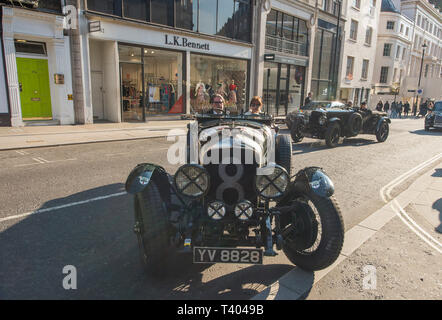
point(35, 95)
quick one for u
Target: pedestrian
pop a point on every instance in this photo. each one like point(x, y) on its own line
point(399, 109)
point(308, 99)
point(423, 109)
point(406, 109)
point(379, 106)
point(386, 107)
point(393, 110)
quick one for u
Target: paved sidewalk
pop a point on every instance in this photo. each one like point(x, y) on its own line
point(44, 136)
point(393, 254)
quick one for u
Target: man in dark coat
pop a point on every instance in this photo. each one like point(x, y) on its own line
point(406, 109)
point(386, 107)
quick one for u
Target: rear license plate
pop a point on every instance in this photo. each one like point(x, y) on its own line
point(226, 255)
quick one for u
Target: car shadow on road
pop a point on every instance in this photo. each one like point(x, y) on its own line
point(307, 147)
point(97, 239)
point(432, 132)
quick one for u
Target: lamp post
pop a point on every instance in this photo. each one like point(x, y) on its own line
point(420, 72)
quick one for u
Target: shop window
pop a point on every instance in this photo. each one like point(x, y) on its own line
point(213, 75)
point(136, 9)
point(186, 14)
point(129, 54)
point(162, 12)
point(163, 82)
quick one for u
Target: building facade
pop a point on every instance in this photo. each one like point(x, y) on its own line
point(144, 59)
point(393, 54)
point(426, 44)
point(298, 47)
point(359, 54)
point(409, 53)
point(36, 64)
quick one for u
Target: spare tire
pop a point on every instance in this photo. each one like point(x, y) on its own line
point(354, 124)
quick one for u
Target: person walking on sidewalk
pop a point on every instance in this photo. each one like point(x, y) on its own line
point(406, 109)
point(386, 107)
point(393, 114)
point(399, 109)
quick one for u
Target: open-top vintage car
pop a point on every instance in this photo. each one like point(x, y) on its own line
point(334, 120)
point(234, 196)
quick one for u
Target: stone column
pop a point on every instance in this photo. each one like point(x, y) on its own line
point(258, 38)
point(11, 68)
point(311, 49)
point(187, 82)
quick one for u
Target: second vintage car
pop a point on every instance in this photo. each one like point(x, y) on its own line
point(331, 121)
point(234, 195)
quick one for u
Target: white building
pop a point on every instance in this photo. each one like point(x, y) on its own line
point(405, 26)
point(358, 59)
point(392, 54)
point(427, 30)
point(37, 64)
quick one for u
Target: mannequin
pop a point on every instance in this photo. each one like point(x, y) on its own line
point(232, 92)
point(200, 94)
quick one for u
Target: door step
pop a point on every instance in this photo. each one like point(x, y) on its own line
point(29, 123)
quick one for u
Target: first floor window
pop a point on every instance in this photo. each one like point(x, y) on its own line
point(368, 35)
point(387, 49)
point(384, 75)
point(353, 30)
point(350, 64)
point(364, 74)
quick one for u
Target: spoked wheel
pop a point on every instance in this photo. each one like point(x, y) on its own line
point(382, 133)
point(313, 233)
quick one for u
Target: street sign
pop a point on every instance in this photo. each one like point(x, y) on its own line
point(420, 91)
point(411, 90)
point(269, 57)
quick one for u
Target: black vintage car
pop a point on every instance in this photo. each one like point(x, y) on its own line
point(433, 119)
point(234, 195)
point(331, 121)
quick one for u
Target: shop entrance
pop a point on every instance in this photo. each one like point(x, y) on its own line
point(132, 89)
point(35, 94)
point(283, 88)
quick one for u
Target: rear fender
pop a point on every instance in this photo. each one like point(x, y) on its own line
point(145, 173)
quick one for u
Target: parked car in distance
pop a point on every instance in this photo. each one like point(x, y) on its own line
point(433, 119)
